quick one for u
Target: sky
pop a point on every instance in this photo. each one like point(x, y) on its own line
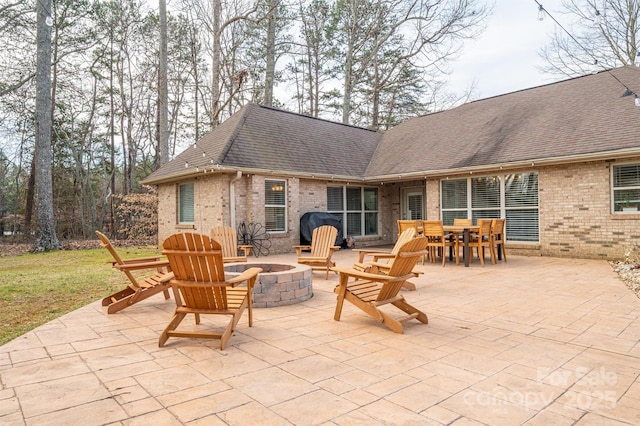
point(505, 57)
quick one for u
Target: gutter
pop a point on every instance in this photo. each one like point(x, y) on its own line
point(232, 198)
point(396, 177)
point(521, 164)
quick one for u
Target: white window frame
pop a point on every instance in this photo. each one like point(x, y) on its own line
point(343, 213)
point(476, 212)
point(283, 185)
point(619, 195)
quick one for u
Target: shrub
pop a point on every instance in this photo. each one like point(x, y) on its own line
point(137, 215)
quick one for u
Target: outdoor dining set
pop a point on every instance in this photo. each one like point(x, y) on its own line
point(487, 234)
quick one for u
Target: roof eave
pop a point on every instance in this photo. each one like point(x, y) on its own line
point(513, 165)
point(395, 177)
point(191, 173)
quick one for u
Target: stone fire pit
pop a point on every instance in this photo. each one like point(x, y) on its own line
point(278, 284)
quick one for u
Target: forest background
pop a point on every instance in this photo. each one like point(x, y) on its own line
point(369, 63)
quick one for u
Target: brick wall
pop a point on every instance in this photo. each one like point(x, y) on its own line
point(575, 217)
point(575, 213)
point(211, 205)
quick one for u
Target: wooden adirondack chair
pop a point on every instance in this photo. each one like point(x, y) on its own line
point(138, 289)
point(228, 239)
point(200, 287)
point(370, 291)
point(322, 247)
point(378, 255)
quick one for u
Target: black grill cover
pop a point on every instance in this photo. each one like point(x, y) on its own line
point(312, 220)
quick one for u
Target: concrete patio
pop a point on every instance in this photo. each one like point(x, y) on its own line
point(530, 341)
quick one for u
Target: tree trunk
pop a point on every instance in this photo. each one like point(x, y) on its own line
point(270, 69)
point(375, 101)
point(46, 238)
point(112, 141)
point(196, 79)
point(163, 91)
point(215, 64)
point(31, 190)
point(346, 96)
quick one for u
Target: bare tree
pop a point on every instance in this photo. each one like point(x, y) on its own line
point(602, 34)
point(218, 27)
point(386, 39)
point(315, 63)
point(46, 238)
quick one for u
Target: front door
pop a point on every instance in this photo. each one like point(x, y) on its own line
point(412, 204)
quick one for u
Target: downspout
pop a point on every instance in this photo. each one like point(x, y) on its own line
point(232, 198)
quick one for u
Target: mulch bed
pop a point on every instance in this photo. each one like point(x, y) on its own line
point(9, 248)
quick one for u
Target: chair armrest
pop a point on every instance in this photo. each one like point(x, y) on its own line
point(245, 276)
point(142, 265)
point(245, 249)
point(300, 248)
point(142, 259)
point(378, 256)
point(361, 274)
point(364, 252)
point(384, 267)
point(380, 265)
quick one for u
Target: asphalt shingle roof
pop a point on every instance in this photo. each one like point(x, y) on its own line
point(572, 118)
point(581, 116)
point(263, 138)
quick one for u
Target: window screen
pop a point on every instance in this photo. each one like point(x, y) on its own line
point(626, 188)
point(185, 203)
point(275, 205)
point(512, 196)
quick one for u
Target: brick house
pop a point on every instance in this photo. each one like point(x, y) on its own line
point(561, 162)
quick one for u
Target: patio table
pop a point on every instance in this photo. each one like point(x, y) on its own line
point(465, 231)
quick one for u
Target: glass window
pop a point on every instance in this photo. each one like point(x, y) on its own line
point(454, 200)
point(360, 217)
point(334, 199)
point(275, 214)
point(185, 203)
point(626, 188)
point(521, 207)
point(513, 196)
point(485, 197)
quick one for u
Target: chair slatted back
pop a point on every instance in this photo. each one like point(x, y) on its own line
point(228, 239)
point(404, 237)
point(484, 230)
point(106, 243)
point(407, 224)
point(402, 265)
point(432, 229)
point(322, 239)
point(196, 262)
point(497, 228)
point(462, 222)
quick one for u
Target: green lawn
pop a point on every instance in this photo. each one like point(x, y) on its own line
point(36, 288)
